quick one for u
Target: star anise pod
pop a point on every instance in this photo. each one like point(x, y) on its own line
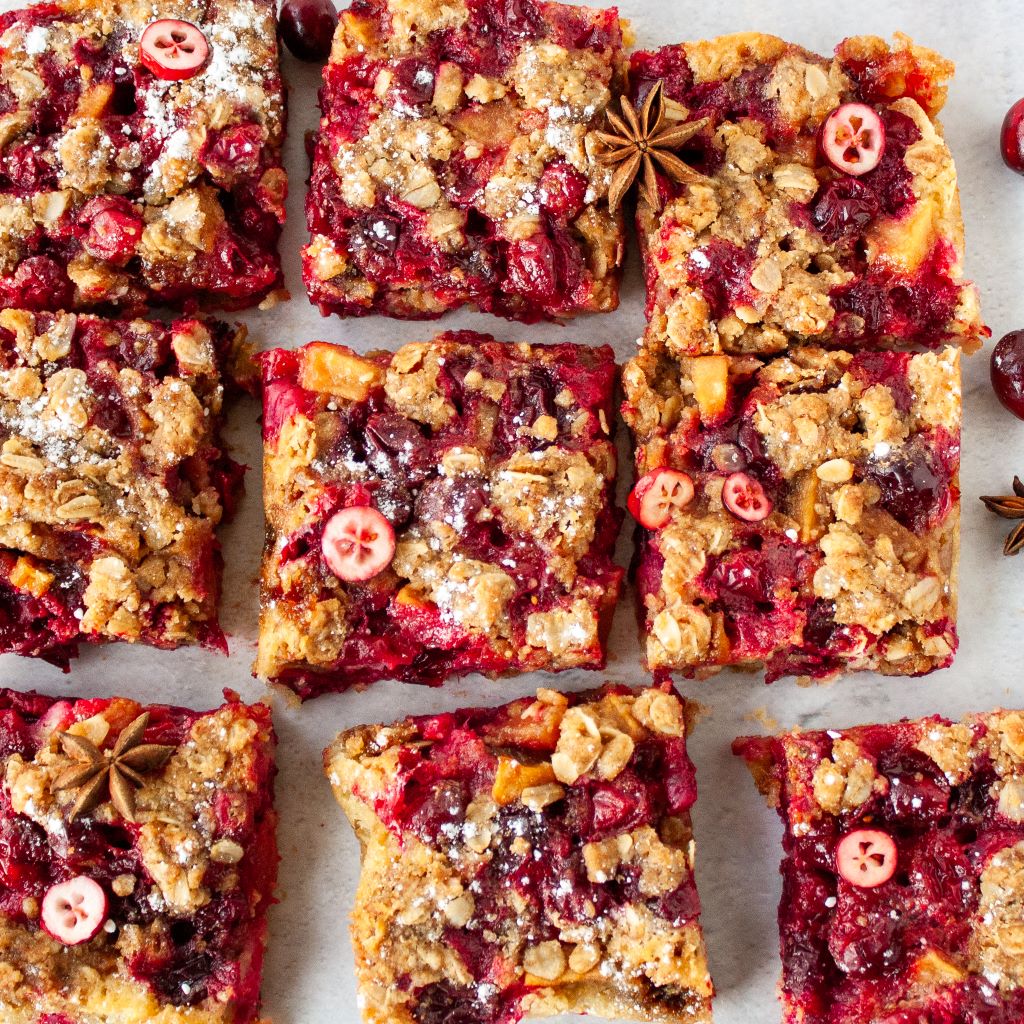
point(116, 774)
point(1010, 506)
point(644, 141)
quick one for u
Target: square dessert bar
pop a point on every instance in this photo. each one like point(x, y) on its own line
point(444, 509)
point(140, 154)
point(455, 161)
point(113, 478)
point(800, 513)
point(137, 861)
point(829, 212)
point(533, 859)
point(903, 874)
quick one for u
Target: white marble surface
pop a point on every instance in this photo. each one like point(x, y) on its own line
point(309, 974)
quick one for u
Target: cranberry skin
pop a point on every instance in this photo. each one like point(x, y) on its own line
point(114, 229)
point(1007, 371)
point(844, 208)
point(307, 27)
point(1011, 139)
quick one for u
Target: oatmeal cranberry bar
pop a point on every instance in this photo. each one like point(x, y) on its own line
point(533, 859)
point(113, 478)
point(138, 861)
point(903, 874)
point(444, 509)
point(140, 154)
point(829, 212)
point(455, 161)
point(800, 512)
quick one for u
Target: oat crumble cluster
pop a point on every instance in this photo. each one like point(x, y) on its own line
point(113, 479)
point(119, 189)
point(186, 885)
point(489, 470)
point(777, 245)
point(854, 567)
point(534, 859)
point(940, 938)
point(455, 161)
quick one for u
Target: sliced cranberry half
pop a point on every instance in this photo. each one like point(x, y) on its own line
point(744, 497)
point(173, 49)
point(866, 858)
point(657, 494)
point(358, 543)
point(74, 911)
point(853, 138)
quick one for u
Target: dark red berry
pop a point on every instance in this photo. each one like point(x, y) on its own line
point(1008, 372)
point(307, 27)
point(1011, 140)
point(844, 207)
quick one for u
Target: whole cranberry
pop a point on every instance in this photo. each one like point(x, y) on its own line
point(114, 229)
point(307, 27)
point(1008, 372)
point(1011, 139)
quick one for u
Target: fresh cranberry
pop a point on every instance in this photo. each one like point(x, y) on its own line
point(745, 498)
point(358, 543)
point(1007, 371)
point(74, 911)
point(115, 229)
point(307, 27)
point(853, 138)
point(173, 50)
point(1011, 139)
point(866, 858)
point(562, 190)
point(657, 495)
point(843, 208)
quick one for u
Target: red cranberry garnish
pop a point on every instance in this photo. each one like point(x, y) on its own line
point(1008, 372)
point(853, 138)
point(1011, 140)
point(358, 543)
point(74, 911)
point(866, 858)
point(743, 496)
point(114, 229)
point(657, 494)
point(173, 49)
point(307, 27)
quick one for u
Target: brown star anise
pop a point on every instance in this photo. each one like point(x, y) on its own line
point(116, 773)
point(1009, 506)
point(642, 140)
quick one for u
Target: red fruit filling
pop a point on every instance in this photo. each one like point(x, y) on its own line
point(391, 630)
point(656, 495)
point(853, 139)
point(173, 49)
